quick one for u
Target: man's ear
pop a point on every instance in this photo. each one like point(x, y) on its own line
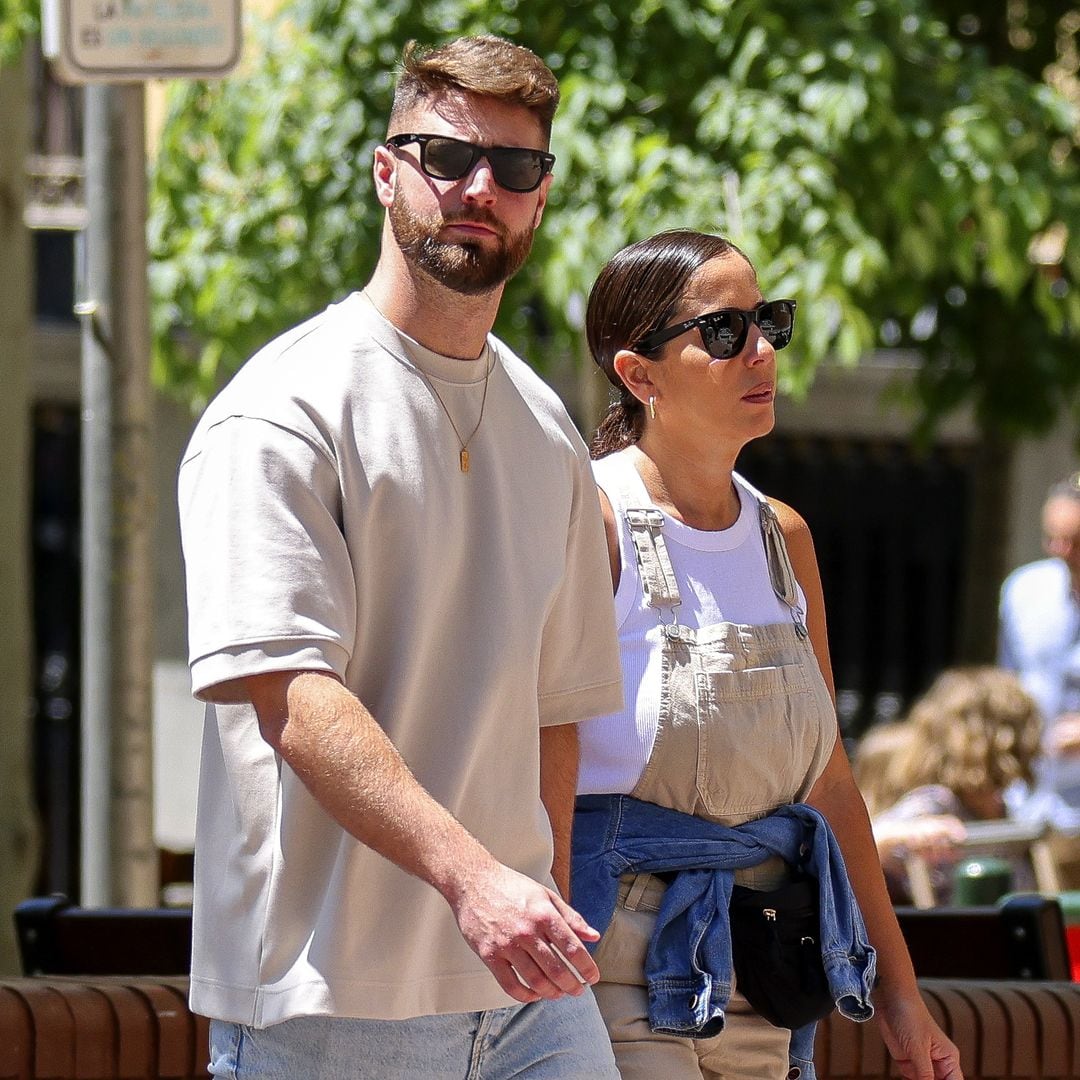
point(384, 169)
point(637, 374)
point(545, 185)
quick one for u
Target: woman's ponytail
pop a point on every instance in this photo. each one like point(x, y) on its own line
point(620, 427)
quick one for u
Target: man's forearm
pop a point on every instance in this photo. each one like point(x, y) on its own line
point(344, 758)
point(529, 939)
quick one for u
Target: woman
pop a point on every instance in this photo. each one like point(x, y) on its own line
point(728, 716)
point(970, 738)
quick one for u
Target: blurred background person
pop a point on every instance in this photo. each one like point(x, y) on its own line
point(1039, 639)
point(966, 752)
point(1040, 635)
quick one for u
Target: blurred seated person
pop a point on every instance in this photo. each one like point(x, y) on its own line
point(965, 753)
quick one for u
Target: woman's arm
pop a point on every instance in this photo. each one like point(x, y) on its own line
point(559, 754)
point(611, 531)
point(918, 1045)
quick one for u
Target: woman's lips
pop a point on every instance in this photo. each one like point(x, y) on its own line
point(760, 395)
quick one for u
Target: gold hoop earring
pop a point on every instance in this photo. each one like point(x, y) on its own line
point(652, 408)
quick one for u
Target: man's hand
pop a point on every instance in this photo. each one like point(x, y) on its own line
point(519, 928)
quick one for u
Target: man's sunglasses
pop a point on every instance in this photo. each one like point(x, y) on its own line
point(724, 332)
point(516, 168)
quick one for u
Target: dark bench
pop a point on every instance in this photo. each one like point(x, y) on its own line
point(58, 938)
point(1022, 938)
point(1002, 1003)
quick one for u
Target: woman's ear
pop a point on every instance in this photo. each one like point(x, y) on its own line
point(637, 374)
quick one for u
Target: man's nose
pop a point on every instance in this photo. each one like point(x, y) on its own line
point(480, 186)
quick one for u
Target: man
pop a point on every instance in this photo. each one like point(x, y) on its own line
point(1040, 637)
point(396, 585)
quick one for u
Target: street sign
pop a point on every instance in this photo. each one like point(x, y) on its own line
point(136, 40)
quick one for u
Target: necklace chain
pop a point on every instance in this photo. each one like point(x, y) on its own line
point(463, 455)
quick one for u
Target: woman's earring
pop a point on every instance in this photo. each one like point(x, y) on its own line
point(652, 408)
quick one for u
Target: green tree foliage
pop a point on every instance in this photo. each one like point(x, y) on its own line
point(907, 190)
point(18, 22)
point(1025, 34)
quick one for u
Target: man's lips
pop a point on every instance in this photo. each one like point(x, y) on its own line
point(473, 228)
point(470, 226)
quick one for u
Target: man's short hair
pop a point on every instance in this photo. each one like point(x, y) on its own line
point(1069, 488)
point(484, 65)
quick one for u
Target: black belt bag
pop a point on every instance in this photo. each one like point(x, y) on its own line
point(776, 950)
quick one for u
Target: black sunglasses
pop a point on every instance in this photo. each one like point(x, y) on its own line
point(724, 332)
point(516, 168)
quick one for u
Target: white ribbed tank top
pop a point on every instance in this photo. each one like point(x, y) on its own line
point(722, 576)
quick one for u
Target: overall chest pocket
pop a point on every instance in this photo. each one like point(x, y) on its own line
point(758, 732)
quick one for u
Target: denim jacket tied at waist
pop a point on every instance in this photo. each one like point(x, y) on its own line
point(688, 967)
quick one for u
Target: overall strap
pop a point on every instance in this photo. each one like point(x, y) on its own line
point(658, 576)
point(657, 573)
point(781, 573)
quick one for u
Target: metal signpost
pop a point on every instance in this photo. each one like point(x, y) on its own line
point(103, 43)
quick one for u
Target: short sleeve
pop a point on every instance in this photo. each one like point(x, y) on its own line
point(580, 672)
point(270, 584)
point(1006, 657)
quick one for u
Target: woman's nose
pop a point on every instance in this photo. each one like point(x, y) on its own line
point(759, 348)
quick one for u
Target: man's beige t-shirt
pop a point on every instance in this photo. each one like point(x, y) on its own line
point(327, 526)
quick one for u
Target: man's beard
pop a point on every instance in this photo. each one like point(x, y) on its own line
point(464, 267)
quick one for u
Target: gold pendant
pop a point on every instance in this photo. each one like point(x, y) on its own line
point(464, 459)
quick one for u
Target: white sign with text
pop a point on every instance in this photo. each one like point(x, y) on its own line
point(134, 40)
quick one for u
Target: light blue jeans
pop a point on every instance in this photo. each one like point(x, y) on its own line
point(546, 1040)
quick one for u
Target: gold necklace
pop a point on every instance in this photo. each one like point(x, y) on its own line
point(463, 455)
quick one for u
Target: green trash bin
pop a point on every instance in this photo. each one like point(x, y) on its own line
point(1070, 910)
point(981, 880)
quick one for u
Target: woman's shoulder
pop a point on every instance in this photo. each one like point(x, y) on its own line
point(791, 522)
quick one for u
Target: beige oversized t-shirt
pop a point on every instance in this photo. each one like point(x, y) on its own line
point(327, 526)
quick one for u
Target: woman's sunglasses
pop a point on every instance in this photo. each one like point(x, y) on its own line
point(724, 332)
point(516, 168)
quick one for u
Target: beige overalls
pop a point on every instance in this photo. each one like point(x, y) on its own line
point(746, 723)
